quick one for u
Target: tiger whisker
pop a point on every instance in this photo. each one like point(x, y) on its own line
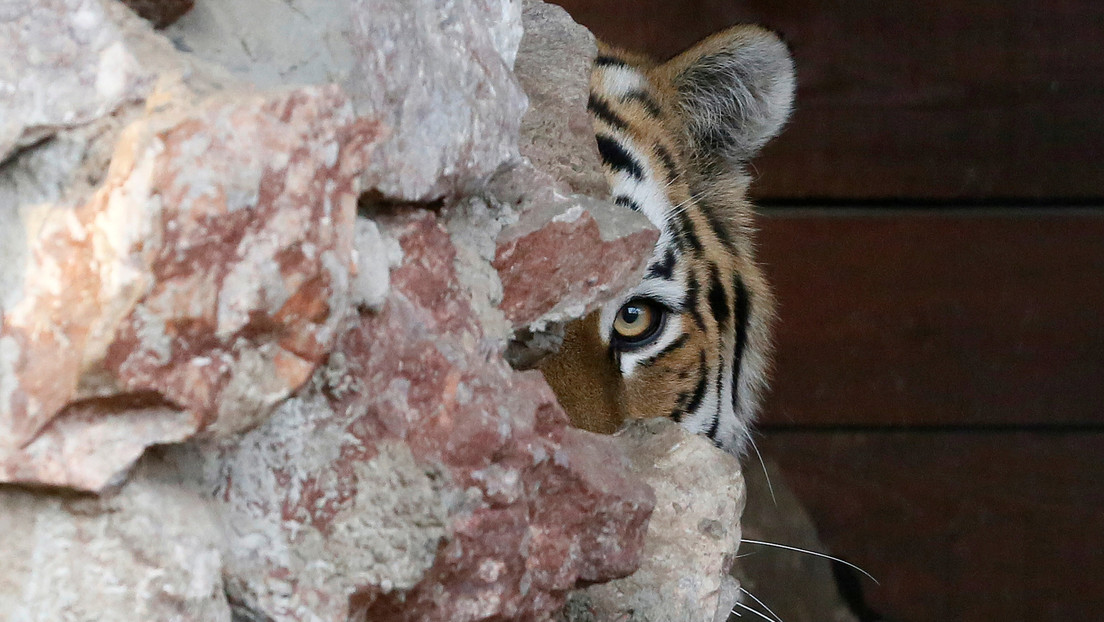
point(762, 604)
point(813, 553)
point(680, 208)
point(764, 465)
point(751, 609)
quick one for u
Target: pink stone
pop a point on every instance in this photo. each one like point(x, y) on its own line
point(567, 254)
point(90, 442)
point(210, 270)
point(259, 204)
point(538, 506)
point(693, 535)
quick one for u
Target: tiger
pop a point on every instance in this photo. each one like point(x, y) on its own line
point(692, 340)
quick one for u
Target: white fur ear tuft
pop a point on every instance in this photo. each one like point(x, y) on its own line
point(736, 91)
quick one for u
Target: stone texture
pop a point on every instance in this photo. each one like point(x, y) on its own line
point(473, 225)
point(150, 552)
point(532, 251)
point(258, 201)
point(191, 273)
point(160, 13)
point(65, 64)
point(553, 66)
point(692, 537)
point(436, 73)
point(419, 477)
point(561, 252)
point(375, 255)
point(566, 253)
point(92, 444)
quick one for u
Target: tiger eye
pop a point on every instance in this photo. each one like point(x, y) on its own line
point(636, 321)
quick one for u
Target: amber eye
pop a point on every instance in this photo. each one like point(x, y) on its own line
point(637, 322)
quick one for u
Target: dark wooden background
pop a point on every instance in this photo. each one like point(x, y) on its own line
point(934, 233)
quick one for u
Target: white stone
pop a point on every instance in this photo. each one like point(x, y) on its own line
point(437, 72)
point(693, 535)
point(152, 551)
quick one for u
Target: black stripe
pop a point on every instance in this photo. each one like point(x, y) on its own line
point(718, 226)
point(687, 237)
point(609, 61)
point(677, 411)
point(677, 343)
point(601, 110)
point(699, 390)
point(668, 162)
point(718, 303)
point(645, 100)
point(664, 269)
point(717, 415)
point(615, 156)
point(690, 302)
point(684, 400)
point(625, 201)
point(743, 310)
point(674, 345)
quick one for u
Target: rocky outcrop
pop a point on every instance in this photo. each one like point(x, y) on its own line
point(206, 274)
point(692, 537)
point(151, 552)
point(260, 272)
point(437, 74)
point(416, 458)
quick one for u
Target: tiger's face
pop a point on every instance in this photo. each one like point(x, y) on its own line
point(691, 341)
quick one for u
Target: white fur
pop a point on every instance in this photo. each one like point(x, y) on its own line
point(618, 82)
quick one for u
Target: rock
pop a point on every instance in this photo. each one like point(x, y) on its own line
point(531, 249)
point(258, 201)
point(692, 537)
point(315, 519)
point(553, 66)
point(65, 64)
point(375, 255)
point(210, 269)
point(473, 225)
point(151, 551)
point(563, 252)
point(436, 73)
point(567, 253)
point(62, 164)
point(419, 477)
point(160, 13)
point(92, 444)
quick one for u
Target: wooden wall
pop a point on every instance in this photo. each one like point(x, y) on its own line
point(934, 233)
point(948, 100)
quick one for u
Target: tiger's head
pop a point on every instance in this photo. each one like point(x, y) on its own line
point(691, 341)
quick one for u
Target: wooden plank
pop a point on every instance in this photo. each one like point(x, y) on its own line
point(894, 318)
point(957, 100)
point(971, 527)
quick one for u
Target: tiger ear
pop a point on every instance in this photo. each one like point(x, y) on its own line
point(735, 90)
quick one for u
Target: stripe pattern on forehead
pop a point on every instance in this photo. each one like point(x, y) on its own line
point(639, 164)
